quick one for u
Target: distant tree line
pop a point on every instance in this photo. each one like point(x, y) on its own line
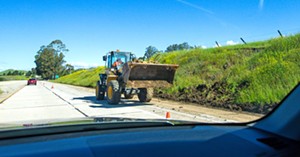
point(151, 50)
point(14, 72)
point(31, 73)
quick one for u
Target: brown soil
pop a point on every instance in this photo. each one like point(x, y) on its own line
point(197, 109)
point(216, 96)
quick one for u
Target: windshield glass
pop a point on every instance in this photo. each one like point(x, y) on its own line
point(196, 60)
point(117, 57)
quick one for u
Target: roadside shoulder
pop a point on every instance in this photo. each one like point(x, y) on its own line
point(9, 88)
point(197, 109)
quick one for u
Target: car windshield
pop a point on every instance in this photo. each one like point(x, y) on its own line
point(218, 61)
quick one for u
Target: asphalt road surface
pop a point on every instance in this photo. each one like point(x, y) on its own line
point(51, 102)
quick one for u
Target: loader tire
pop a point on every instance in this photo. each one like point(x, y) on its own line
point(113, 92)
point(145, 94)
point(99, 94)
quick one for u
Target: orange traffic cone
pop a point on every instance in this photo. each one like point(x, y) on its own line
point(168, 115)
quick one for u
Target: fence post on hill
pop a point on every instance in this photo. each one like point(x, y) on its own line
point(280, 33)
point(243, 41)
point(217, 44)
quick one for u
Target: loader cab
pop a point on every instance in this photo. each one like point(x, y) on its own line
point(112, 56)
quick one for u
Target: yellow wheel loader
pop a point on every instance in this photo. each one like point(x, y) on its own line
point(128, 76)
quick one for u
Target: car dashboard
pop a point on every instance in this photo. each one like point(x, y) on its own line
point(207, 140)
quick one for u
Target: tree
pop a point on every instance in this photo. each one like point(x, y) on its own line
point(15, 72)
point(176, 47)
point(28, 74)
point(68, 69)
point(49, 59)
point(184, 46)
point(33, 71)
point(150, 51)
point(171, 48)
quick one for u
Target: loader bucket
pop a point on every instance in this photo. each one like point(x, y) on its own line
point(148, 75)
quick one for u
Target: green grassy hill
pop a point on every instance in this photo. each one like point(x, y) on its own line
point(252, 77)
point(86, 78)
point(13, 75)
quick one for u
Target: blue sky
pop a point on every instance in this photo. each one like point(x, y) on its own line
point(90, 28)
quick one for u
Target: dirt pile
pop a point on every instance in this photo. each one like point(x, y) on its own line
point(218, 95)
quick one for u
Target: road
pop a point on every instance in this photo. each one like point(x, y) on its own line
point(52, 102)
point(9, 87)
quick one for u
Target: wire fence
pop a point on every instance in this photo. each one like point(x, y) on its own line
point(264, 36)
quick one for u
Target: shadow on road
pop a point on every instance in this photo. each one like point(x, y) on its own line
point(103, 103)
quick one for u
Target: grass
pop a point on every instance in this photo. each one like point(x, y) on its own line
point(5, 72)
point(13, 77)
point(85, 78)
point(252, 77)
point(249, 77)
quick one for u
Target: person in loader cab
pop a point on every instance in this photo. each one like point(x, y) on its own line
point(117, 63)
